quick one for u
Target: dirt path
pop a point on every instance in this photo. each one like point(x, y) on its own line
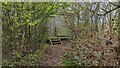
point(53, 56)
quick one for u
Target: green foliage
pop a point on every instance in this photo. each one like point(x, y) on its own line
point(24, 30)
point(16, 54)
point(5, 63)
point(30, 17)
point(73, 60)
point(118, 24)
point(30, 59)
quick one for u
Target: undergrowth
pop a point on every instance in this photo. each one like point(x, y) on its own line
point(31, 59)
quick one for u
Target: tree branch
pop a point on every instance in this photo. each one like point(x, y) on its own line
point(109, 11)
point(113, 4)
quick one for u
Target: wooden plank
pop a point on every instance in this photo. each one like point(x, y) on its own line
point(53, 37)
point(51, 42)
point(60, 40)
point(55, 40)
point(66, 37)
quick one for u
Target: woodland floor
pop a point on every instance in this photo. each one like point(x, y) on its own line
point(54, 55)
point(87, 51)
point(91, 52)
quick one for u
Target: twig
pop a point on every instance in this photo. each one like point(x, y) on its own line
point(109, 11)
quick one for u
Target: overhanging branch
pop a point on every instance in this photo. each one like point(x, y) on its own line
point(113, 4)
point(106, 12)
